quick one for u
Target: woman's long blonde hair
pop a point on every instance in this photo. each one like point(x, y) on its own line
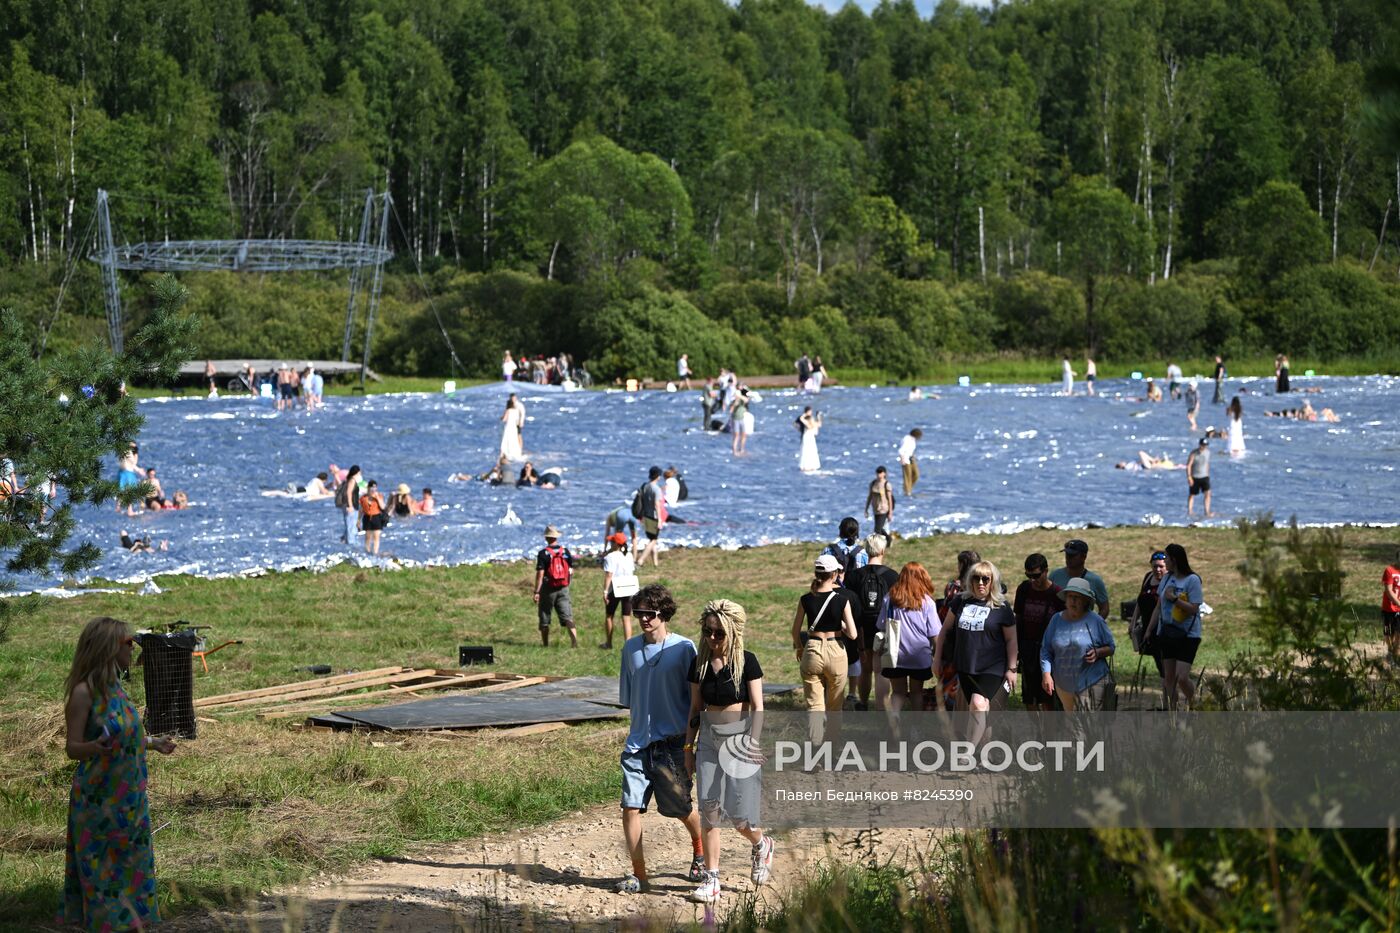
point(996, 597)
point(732, 618)
point(95, 660)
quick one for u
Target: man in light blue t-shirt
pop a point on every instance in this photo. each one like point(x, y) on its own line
point(654, 684)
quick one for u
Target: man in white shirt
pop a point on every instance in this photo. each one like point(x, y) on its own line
point(1174, 380)
point(907, 460)
point(683, 369)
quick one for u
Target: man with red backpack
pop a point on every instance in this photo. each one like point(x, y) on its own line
point(554, 568)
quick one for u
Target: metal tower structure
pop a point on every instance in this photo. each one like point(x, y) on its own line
point(248, 256)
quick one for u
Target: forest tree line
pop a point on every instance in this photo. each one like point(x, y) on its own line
point(630, 179)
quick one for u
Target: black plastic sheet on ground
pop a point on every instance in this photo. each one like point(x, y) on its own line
point(473, 712)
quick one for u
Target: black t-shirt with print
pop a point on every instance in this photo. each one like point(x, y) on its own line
point(721, 689)
point(832, 620)
point(979, 636)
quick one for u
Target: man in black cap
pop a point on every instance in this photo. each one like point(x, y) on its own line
point(1075, 553)
point(649, 505)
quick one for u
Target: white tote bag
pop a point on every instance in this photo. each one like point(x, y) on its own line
point(889, 651)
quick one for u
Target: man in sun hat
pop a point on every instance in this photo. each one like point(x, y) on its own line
point(554, 568)
point(1076, 551)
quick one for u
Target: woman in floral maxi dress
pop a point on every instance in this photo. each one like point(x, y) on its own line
point(109, 881)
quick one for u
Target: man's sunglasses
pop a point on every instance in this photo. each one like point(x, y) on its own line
point(1034, 574)
point(645, 613)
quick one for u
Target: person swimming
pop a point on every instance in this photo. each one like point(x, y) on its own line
point(1306, 413)
point(137, 545)
point(1146, 461)
point(494, 476)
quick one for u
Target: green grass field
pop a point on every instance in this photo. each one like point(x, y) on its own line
point(1017, 369)
point(254, 803)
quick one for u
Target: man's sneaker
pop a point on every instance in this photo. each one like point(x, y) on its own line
point(708, 892)
point(697, 869)
point(632, 885)
point(762, 859)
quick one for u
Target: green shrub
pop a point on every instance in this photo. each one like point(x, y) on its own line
point(1336, 309)
point(1039, 313)
point(643, 336)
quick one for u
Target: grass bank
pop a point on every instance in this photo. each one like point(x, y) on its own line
point(1012, 368)
point(251, 803)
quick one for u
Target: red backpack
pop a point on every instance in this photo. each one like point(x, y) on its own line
point(558, 572)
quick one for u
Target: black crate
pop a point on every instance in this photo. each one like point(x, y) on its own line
point(168, 671)
point(476, 654)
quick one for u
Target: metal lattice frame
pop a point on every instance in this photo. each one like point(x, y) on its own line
point(247, 256)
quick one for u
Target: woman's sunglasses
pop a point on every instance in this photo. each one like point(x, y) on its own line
point(129, 641)
point(980, 578)
point(715, 633)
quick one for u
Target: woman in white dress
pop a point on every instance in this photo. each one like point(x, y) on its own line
point(1236, 412)
point(809, 461)
point(513, 432)
point(819, 375)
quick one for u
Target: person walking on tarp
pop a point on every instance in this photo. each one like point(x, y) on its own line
point(649, 504)
point(654, 685)
point(907, 461)
point(1198, 477)
point(554, 568)
point(880, 498)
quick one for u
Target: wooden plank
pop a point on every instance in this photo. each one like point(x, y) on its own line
point(536, 729)
point(510, 685)
point(405, 677)
point(298, 685)
point(312, 705)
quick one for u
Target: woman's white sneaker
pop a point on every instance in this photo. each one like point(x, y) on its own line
point(762, 859)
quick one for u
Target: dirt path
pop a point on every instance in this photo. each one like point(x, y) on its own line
point(556, 876)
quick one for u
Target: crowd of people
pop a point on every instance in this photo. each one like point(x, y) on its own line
point(556, 370)
point(290, 387)
point(363, 507)
point(867, 633)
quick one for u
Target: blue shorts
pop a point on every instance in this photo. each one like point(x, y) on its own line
point(657, 770)
point(127, 479)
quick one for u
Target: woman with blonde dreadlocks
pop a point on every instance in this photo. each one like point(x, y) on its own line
point(726, 708)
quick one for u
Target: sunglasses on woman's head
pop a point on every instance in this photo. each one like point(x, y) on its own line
point(979, 578)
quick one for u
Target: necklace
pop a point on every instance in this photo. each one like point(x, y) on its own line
point(656, 658)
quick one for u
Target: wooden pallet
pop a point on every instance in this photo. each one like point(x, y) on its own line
point(309, 695)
